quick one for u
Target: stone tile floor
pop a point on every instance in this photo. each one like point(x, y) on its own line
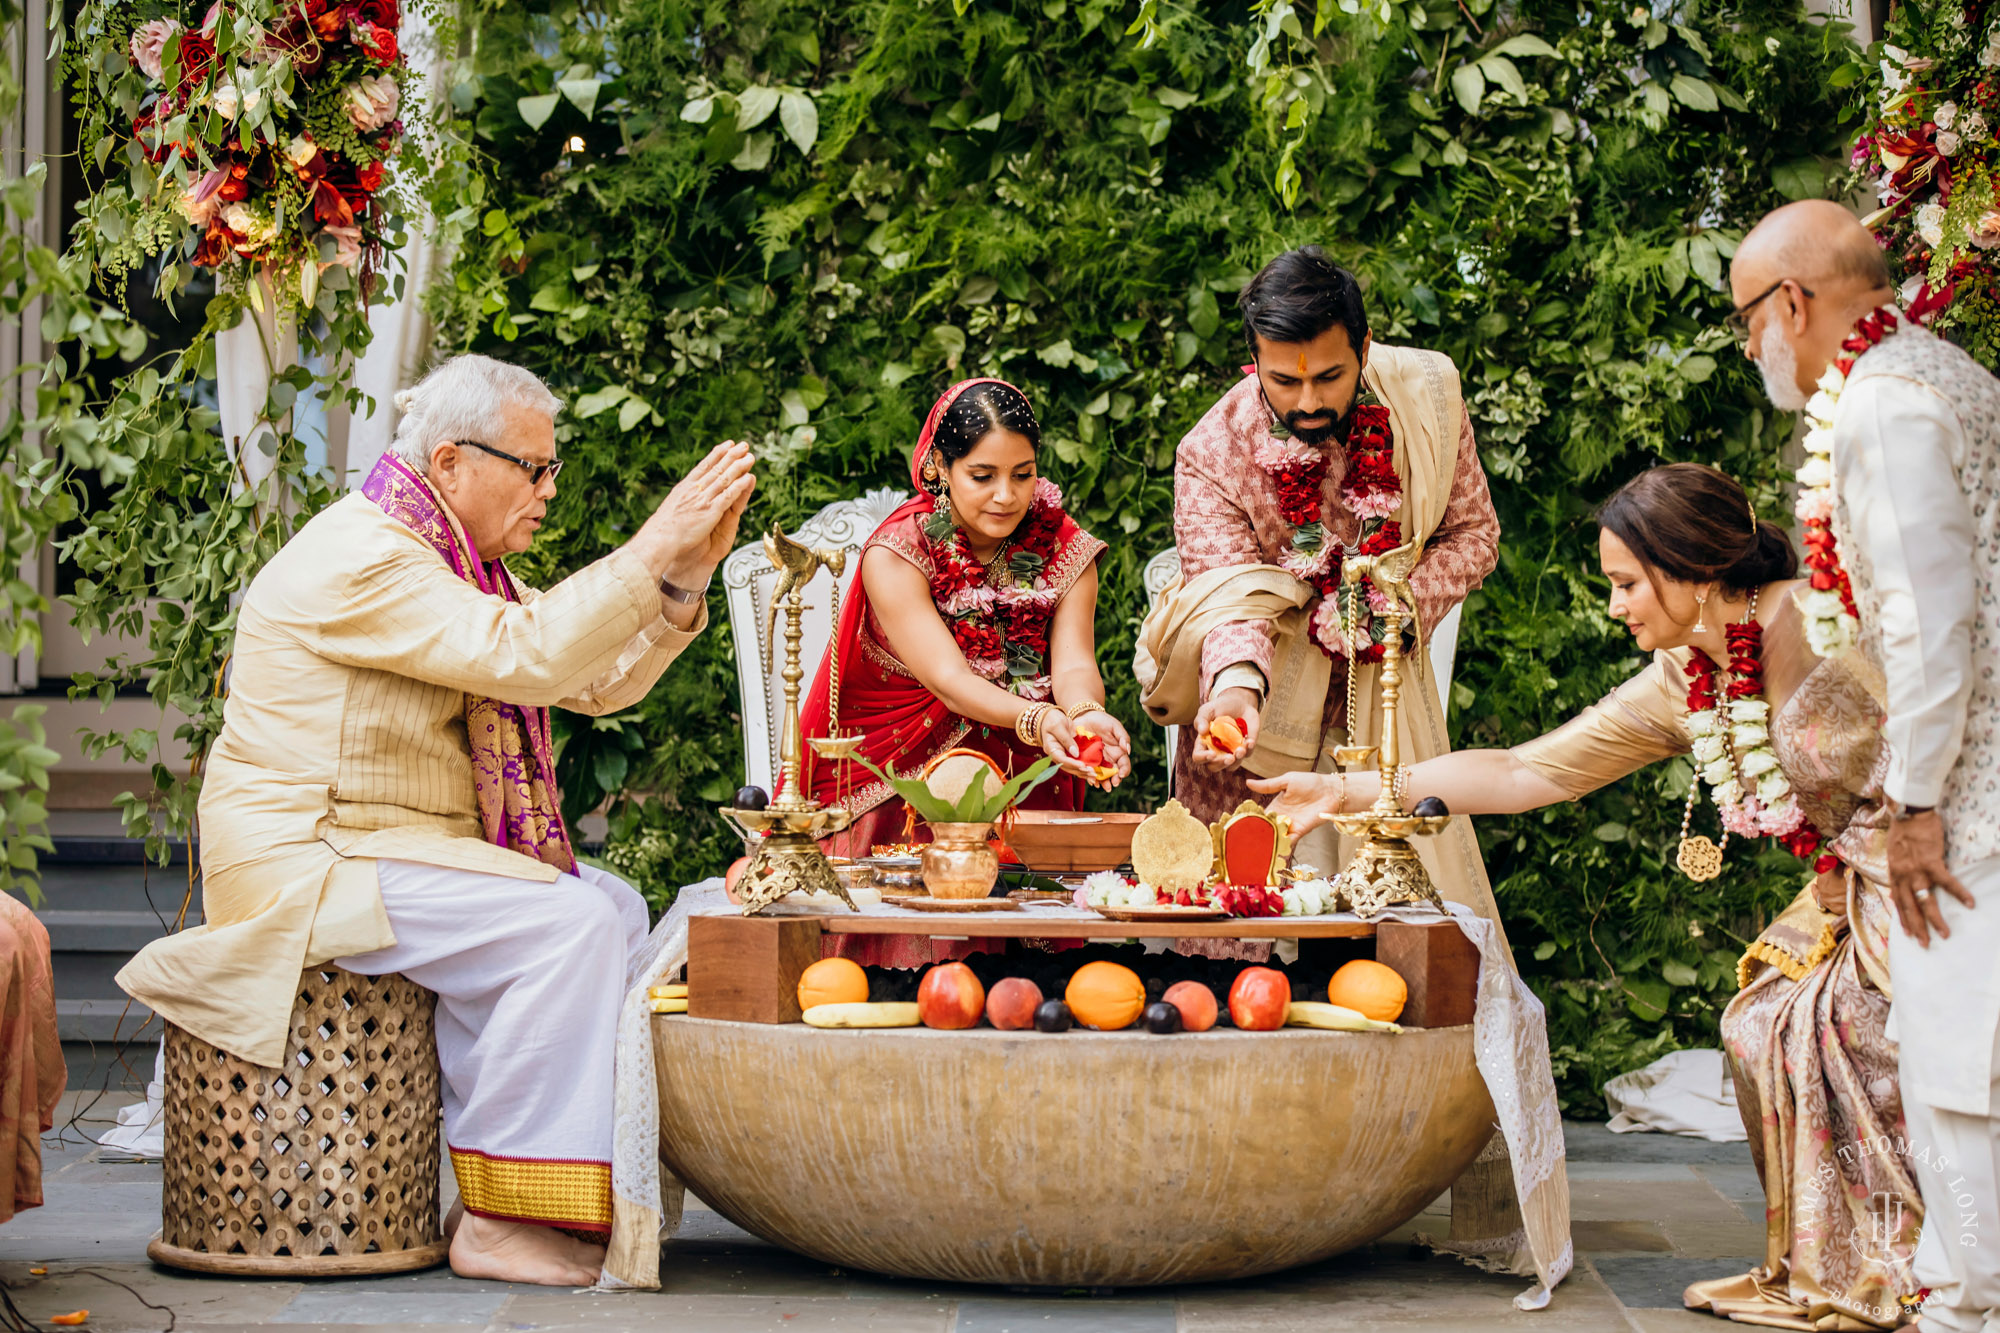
point(1652, 1213)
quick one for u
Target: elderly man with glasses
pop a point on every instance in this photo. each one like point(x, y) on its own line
point(1911, 426)
point(382, 795)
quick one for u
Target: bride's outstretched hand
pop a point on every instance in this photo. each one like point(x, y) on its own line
point(1306, 799)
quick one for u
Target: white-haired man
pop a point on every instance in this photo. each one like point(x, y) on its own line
point(381, 795)
point(1915, 511)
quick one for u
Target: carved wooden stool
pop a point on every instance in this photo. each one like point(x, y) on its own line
point(324, 1167)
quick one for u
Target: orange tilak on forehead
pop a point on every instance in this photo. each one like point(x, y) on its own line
point(1302, 363)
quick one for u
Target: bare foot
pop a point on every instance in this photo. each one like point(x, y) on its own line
point(517, 1252)
point(453, 1218)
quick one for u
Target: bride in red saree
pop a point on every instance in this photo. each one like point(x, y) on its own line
point(972, 625)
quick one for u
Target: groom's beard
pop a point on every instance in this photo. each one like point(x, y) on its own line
point(1778, 363)
point(1319, 436)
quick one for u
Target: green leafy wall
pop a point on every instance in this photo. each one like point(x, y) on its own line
point(797, 220)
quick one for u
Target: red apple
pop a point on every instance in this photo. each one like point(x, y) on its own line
point(1012, 1002)
point(950, 996)
point(1258, 1000)
point(1196, 1003)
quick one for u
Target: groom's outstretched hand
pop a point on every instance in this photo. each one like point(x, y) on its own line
point(1237, 703)
point(1917, 873)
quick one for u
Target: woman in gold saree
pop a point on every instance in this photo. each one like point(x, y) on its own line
point(1788, 745)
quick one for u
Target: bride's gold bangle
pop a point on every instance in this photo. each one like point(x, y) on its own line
point(1082, 706)
point(1028, 726)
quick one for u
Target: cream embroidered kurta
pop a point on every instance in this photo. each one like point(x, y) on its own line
point(344, 740)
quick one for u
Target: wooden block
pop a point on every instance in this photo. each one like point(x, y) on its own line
point(1440, 966)
point(747, 968)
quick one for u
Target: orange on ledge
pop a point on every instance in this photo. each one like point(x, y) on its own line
point(1105, 996)
point(833, 981)
point(1372, 989)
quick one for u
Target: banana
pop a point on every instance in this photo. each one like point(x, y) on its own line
point(662, 1005)
point(1339, 1018)
point(673, 990)
point(883, 1014)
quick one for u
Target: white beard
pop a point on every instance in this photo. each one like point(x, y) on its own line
point(1779, 365)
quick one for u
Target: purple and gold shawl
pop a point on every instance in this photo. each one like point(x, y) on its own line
point(513, 764)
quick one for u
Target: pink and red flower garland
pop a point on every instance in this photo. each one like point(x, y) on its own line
point(1003, 631)
point(1371, 489)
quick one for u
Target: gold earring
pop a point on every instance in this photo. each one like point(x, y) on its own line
point(1700, 613)
point(930, 467)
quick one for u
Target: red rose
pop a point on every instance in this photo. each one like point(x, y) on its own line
point(378, 41)
point(369, 177)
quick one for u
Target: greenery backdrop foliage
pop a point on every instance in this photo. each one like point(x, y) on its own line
point(797, 220)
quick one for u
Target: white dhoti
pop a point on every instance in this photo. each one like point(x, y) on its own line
point(528, 977)
point(1946, 1019)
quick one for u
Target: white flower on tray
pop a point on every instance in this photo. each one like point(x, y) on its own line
point(1105, 888)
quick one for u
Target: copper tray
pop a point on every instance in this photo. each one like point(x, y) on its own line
point(1175, 913)
point(920, 903)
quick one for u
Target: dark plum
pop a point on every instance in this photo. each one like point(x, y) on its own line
point(1161, 1017)
point(1053, 1016)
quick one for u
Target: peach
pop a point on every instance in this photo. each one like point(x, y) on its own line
point(1259, 998)
point(1012, 1002)
point(950, 996)
point(1196, 1003)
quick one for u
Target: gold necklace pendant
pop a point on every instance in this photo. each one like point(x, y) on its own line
point(1699, 858)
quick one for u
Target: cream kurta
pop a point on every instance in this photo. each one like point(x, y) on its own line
point(344, 740)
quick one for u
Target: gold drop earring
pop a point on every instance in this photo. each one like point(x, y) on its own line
point(1700, 613)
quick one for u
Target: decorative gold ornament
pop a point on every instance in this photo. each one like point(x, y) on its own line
point(1699, 859)
point(1172, 849)
point(1385, 871)
point(783, 839)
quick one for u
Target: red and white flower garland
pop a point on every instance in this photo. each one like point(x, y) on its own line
point(1830, 614)
point(1003, 631)
point(1371, 489)
point(1732, 746)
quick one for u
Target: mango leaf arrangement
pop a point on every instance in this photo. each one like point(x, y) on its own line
point(974, 806)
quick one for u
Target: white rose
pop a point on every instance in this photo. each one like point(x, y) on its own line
point(300, 150)
point(1947, 143)
point(1945, 115)
point(1707, 749)
point(1975, 127)
point(1312, 896)
point(1823, 404)
point(225, 100)
point(1292, 905)
point(1758, 762)
point(1831, 381)
point(1930, 224)
point(1705, 721)
point(1717, 773)
point(1773, 787)
point(1726, 793)
point(1142, 895)
point(149, 42)
point(1815, 472)
point(1990, 56)
point(371, 102)
point(1748, 710)
point(1749, 736)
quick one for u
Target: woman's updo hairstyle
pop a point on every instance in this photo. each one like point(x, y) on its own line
point(977, 413)
point(1695, 525)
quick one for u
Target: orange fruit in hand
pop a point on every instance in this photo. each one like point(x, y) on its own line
point(833, 981)
point(1227, 734)
point(1372, 989)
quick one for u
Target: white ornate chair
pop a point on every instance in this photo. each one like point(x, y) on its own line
point(1163, 571)
point(747, 582)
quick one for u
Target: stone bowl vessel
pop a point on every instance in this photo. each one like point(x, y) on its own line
point(1102, 1159)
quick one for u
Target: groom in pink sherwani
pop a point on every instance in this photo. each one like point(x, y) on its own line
point(1308, 335)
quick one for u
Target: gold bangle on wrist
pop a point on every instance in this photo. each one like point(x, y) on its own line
point(1029, 725)
point(1082, 706)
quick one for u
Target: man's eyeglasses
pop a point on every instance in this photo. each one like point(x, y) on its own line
point(536, 471)
point(1738, 320)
